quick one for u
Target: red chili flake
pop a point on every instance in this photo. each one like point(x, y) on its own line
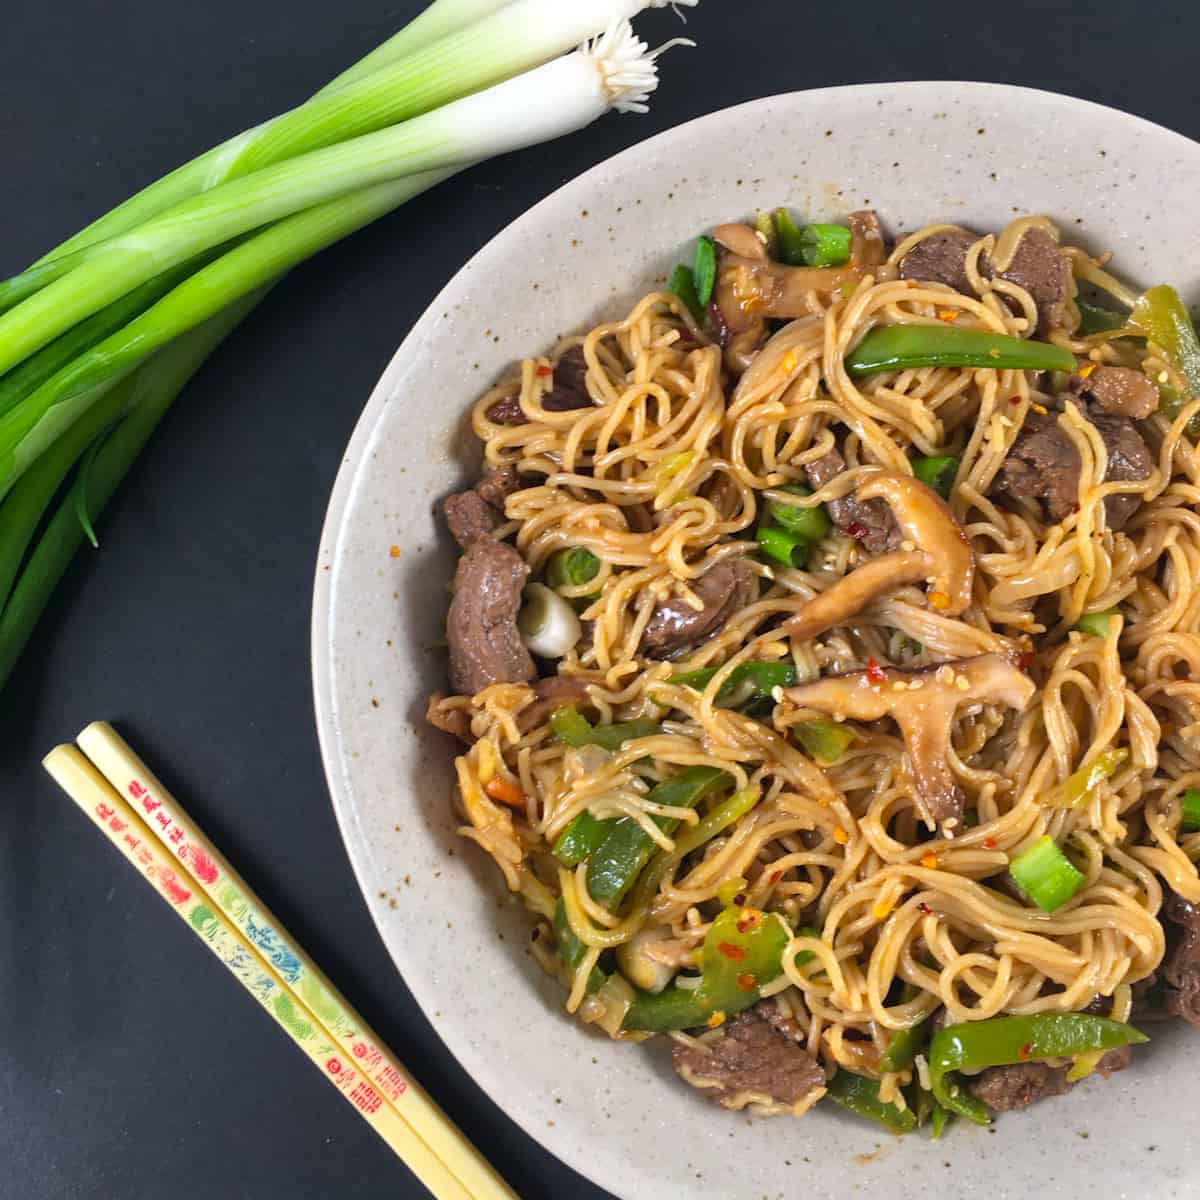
point(875, 673)
point(736, 953)
point(857, 530)
point(746, 983)
point(775, 877)
point(989, 843)
point(1014, 399)
point(544, 372)
point(1026, 659)
point(750, 919)
point(1026, 1050)
point(924, 909)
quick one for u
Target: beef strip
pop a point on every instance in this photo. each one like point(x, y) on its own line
point(675, 627)
point(940, 258)
point(1004, 1089)
point(1119, 392)
point(507, 412)
point(570, 383)
point(1041, 268)
point(485, 644)
point(1181, 970)
point(1044, 466)
point(749, 1058)
point(1038, 265)
point(478, 513)
point(870, 522)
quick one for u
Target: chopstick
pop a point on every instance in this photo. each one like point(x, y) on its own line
point(195, 879)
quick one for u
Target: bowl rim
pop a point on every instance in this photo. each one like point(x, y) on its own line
point(335, 523)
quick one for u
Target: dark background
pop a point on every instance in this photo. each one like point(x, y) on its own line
point(130, 1065)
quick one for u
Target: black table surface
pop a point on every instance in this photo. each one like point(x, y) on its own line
point(130, 1065)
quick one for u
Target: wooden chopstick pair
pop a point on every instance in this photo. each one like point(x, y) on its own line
point(154, 833)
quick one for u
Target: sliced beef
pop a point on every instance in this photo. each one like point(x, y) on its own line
point(867, 246)
point(570, 383)
point(485, 644)
point(1044, 466)
point(556, 691)
point(940, 258)
point(478, 513)
point(750, 1060)
point(1181, 970)
point(869, 522)
point(1119, 392)
point(676, 627)
point(1004, 1089)
point(507, 412)
point(1038, 265)
point(1041, 268)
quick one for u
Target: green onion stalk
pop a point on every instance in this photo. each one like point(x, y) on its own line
point(346, 186)
point(455, 48)
point(145, 396)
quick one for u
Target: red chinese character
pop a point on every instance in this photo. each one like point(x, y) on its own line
point(144, 856)
point(334, 1066)
point(176, 834)
point(103, 811)
point(131, 841)
point(150, 804)
point(117, 825)
point(162, 819)
point(136, 790)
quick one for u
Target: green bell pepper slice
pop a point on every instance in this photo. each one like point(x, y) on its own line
point(860, 1095)
point(899, 347)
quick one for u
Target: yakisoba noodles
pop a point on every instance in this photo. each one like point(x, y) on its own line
point(861, 752)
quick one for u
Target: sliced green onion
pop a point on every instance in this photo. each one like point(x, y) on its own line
point(683, 285)
point(812, 524)
point(826, 741)
point(787, 548)
point(1046, 875)
point(563, 95)
point(705, 270)
point(1190, 804)
point(825, 245)
point(790, 246)
point(1097, 624)
point(937, 472)
point(547, 622)
point(572, 567)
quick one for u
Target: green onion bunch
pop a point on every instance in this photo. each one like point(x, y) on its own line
point(100, 335)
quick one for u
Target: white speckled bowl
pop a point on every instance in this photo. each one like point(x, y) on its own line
point(964, 152)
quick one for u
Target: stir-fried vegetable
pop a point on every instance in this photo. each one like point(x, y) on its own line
point(768, 234)
point(705, 269)
point(581, 838)
point(548, 623)
point(825, 245)
point(1190, 806)
point(781, 546)
point(905, 1044)
point(1078, 788)
point(571, 950)
point(572, 728)
point(1003, 1041)
point(826, 741)
point(742, 952)
point(1097, 624)
point(860, 1095)
point(811, 524)
point(1159, 315)
point(1046, 875)
point(788, 241)
point(747, 681)
point(1094, 319)
point(901, 347)
point(627, 847)
point(937, 472)
point(683, 285)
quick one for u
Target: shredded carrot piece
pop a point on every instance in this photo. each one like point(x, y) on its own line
point(395, 551)
point(1086, 370)
point(840, 835)
point(929, 860)
point(947, 314)
point(882, 910)
point(505, 791)
point(939, 600)
point(989, 843)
